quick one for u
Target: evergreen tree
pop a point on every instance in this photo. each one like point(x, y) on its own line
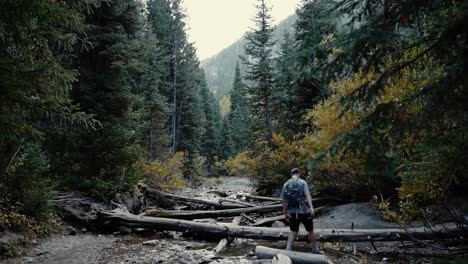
point(288, 113)
point(109, 70)
point(36, 45)
point(313, 70)
point(211, 137)
point(259, 64)
point(239, 117)
point(227, 149)
point(155, 109)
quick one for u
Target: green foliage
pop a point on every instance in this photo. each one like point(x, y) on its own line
point(220, 69)
point(240, 117)
point(165, 174)
point(259, 63)
point(26, 181)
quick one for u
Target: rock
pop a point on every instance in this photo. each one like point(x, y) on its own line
point(251, 253)
point(71, 230)
point(278, 224)
point(183, 261)
point(28, 260)
point(84, 230)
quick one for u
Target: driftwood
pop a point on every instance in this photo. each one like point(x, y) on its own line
point(77, 209)
point(268, 220)
point(217, 205)
point(262, 198)
point(118, 218)
point(226, 241)
point(236, 202)
point(211, 214)
point(295, 257)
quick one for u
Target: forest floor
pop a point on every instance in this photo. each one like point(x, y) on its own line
point(172, 247)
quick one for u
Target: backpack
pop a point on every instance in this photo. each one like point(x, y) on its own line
point(294, 194)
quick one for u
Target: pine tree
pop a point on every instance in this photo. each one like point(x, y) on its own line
point(211, 137)
point(109, 73)
point(227, 149)
point(239, 117)
point(313, 25)
point(259, 63)
point(155, 109)
point(287, 90)
point(36, 45)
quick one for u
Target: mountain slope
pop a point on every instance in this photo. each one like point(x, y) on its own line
point(219, 69)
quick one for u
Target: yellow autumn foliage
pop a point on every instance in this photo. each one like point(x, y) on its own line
point(166, 174)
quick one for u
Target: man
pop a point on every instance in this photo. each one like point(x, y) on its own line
point(297, 208)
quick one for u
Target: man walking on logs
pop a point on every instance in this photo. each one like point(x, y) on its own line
point(297, 208)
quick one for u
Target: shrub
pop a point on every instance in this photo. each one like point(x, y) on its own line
point(166, 174)
point(27, 181)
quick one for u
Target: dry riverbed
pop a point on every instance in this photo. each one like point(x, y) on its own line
point(172, 247)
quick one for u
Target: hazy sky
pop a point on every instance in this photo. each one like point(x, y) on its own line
point(215, 24)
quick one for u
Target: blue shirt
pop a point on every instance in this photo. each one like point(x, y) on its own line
point(303, 210)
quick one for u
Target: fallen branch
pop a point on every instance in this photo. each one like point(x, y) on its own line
point(262, 198)
point(236, 202)
point(116, 218)
point(296, 257)
point(226, 241)
point(211, 214)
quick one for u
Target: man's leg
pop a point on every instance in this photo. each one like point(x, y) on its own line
point(291, 238)
point(294, 223)
point(309, 225)
point(312, 239)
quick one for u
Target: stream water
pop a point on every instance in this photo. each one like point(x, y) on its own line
point(172, 247)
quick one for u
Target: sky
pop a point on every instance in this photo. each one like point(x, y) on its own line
point(215, 24)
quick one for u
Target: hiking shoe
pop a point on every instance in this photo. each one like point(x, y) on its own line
point(316, 250)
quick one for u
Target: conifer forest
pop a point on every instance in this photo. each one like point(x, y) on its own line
point(118, 140)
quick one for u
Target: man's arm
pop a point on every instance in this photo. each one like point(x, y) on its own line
point(309, 202)
point(309, 199)
point(285, 210)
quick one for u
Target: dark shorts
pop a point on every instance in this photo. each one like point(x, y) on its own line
point(296, 219)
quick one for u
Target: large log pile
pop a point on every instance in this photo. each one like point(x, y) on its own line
point(119, 218)
point(223, 221)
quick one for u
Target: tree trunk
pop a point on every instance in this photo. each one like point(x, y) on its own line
point(117, 218)
point(211, 214)
point(237, 202)
point(295, 257)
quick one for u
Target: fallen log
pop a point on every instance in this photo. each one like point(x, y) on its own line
point(226, 241)
point(296, 257)
point(262, 198)
point(118, 218)
point(277, 199)
point(269, 220)
point(237, 202)
point(211, 214)
point(217, 205)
